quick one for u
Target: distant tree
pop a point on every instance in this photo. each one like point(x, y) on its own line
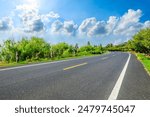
point(76, 49)
point(139, 43)
point(109, 45)
point(88, 43)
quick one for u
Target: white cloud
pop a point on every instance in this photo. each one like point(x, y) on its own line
point(28, 5)
point(70, 27)
point(93, 28)
point(146, 24)
point(86, 25)
point(66, 28)
point(31, 21)
point(98, 29)
point(53, 15)
point(56, 26)
point(111, 23)
point(123, 27)
point(6, 23)
point(46, 18)
point(129, 21)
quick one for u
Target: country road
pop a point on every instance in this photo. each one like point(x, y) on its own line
point(116, 75)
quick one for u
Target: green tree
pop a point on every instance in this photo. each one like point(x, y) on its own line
point(88, 43)
point(141, 41)
point(76, 49)
point(98, 49)
point(24, 50)
point(8, 51)
point(58, 49)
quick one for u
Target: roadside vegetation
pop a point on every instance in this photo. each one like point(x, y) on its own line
point(140, 45)
point(145, 59)
point(36, 49)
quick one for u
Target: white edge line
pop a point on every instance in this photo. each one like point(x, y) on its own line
point(46, 63)
point(116, 89)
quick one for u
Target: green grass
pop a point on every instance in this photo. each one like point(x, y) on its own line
point(145, 60)
point(13, 64)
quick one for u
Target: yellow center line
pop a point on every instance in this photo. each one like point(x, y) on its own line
point(74, 66)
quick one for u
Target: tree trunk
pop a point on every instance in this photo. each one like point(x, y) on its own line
point(17, 57)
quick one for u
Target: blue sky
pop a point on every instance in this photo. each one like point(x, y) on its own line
point(74, 21)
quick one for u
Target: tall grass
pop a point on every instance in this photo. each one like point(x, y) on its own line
point(145, 59)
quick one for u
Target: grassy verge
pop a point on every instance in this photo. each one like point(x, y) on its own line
point(145, 61)
point(3, 65)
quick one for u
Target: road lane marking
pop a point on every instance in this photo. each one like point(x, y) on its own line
point(105, 58)
point(67, 68)
point(116, 89)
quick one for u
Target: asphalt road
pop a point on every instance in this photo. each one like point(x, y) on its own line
point(91, 78)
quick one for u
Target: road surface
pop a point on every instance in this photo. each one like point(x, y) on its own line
point(116, 75)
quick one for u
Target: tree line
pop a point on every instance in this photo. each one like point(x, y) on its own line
point(139, 43)
point(35, 48)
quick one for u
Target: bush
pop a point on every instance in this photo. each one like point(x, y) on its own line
point(66, 54)
point(83, 53)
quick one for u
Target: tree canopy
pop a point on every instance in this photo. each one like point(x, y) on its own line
point(139, 43)
point(37, 48)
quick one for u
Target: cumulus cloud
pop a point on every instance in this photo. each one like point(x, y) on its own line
point(147, 24)
point(64, 28)
point(46, 18)
point(36, 25)
point(28, 5)
point(31, 21)
point(57, 26)
point(92, 28)
point(52, 15)
point(70, 27)
point(6, 23)
point(129, 21)
point(97, 29)
point(127, 25)
point(111, 24)
point(34, 22)
point(86, 25)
